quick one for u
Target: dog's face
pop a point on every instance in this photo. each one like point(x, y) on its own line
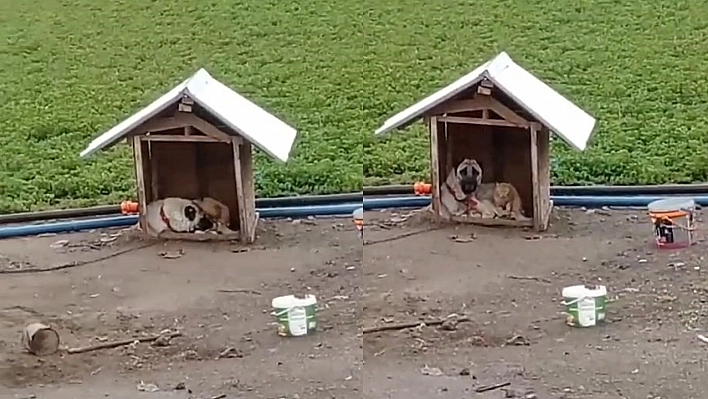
point(469, 173)
point(204, 224)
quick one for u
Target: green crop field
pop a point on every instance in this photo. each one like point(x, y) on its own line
point(71, 69)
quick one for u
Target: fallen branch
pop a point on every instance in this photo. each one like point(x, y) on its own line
point(76, 264)
point(398, 237)
point(413, 324)
point(533, 278)
point(487, 388)
point(240, 291)
point(111, 345)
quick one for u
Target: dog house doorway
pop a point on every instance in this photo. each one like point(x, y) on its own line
point(191, 170)
point(510, 147)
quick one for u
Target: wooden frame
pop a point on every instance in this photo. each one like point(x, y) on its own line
point(539, 147)
point(183, 121)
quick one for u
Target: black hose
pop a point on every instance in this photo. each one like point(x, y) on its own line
point(105, 210)
point(665, 189)
point(389, 190)
point(668, 189)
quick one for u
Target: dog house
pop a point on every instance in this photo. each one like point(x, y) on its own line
point(501, 116)
point(195, 142)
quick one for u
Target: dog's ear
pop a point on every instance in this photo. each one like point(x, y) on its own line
point(451, 178)
point(477, 170)
point(462, 168)
point(453, 182)
point(190, 212)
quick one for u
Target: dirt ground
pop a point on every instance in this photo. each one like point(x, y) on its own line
point(508, 282)
point(229, 344)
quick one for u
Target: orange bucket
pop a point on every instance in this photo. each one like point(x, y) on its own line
point(674, 222)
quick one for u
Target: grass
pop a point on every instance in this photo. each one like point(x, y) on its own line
point(71, 69)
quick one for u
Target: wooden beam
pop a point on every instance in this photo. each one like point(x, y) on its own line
point(435, 166)
point(238, 175)
point(207, 128)
point(478, 121)
point(456, 106)
point(506, 112)
point(481, 103)
point(140, 183)
point(491, 222)
point(160, 125)
point(485, 91)
point(174, 137)
point(171, 235)
point(154, 175)
point(538, 207)
point(249, 191)
point(486, 83)
point(547, 215)
point(544, 174)
point(182, 120)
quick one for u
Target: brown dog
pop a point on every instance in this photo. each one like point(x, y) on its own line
point(217, 212)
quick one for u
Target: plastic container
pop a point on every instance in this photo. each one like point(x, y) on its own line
point(585, 305)
point(39, 339)
point(296, 316)
point(674, 222)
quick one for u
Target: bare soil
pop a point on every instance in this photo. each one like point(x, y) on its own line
point(508, 282)
point(144, 290)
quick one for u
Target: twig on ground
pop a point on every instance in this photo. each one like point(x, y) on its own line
point(76, 264)
point(398, 237)
point(702, 338)
point(413, 324)
point(220, 396)
point(240, 291)
point(533, 278)
point(487, 388)
point(115, 344)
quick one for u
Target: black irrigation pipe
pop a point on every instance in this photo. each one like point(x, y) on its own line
point(305, 200)
point(106, 210)
point(562, 191)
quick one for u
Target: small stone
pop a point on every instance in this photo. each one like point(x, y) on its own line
point(465, 371)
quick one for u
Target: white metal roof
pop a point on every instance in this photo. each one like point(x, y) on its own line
point(255, 124)
point(557, 113)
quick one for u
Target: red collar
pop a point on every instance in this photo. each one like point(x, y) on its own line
point(164, 218)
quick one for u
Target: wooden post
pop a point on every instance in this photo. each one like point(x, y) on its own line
point(537, 206)
point(544, 175)
point(249, 190)
point(238, 174)
point(140, 181)
point(154, 175)
point(435, 165)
